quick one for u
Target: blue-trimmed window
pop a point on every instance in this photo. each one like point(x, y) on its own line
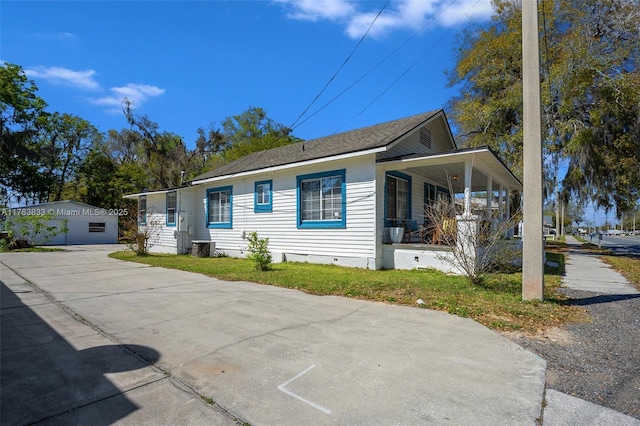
point(142, 210)
point(263, 197)
point(397, 198)
point(219, 207)
point(321, 200)
point(172, 201)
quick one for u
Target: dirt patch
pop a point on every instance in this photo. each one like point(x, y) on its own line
point(553, 334)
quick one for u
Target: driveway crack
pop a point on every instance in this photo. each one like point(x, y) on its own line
point(332, 320)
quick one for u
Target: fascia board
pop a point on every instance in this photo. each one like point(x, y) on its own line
point(162, 191)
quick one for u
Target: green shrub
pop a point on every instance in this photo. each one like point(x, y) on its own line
point(31, 229)
point(258, 252)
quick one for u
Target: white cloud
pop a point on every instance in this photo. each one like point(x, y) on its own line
point(312, 10)
point(466, 10)
point(59, 36)
point(66, 35)
point(403, 14)
point(409, 14)
point(83, 80)
point(136, 93)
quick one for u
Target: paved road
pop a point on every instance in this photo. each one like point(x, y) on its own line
point(623, 245)
point(627, 245)
point(267, 355)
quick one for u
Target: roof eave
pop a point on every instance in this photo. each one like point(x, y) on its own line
point(446, 157)
point(159, 191)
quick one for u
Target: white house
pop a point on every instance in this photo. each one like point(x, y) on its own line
point(333, 199)
point(86, 224)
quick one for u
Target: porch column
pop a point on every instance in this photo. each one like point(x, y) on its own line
point(467, 243)
point(501, 211)
point(507, 213)
point(467, 188)
point(490, 196)
point(467, 240)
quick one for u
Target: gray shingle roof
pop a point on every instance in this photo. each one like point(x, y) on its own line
point(365, 138)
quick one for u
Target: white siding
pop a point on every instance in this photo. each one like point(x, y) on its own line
point(380, 208)
point(358, 244)
point(185, 220)
point(79, 230)
point(357, 240)
point(78, 217)
point(411, 145)
point(162, 238)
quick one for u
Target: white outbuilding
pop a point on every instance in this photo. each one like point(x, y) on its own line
point(86, 224)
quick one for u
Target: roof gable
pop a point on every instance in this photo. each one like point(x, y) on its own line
point(366, 138)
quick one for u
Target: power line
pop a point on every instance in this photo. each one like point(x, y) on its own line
point(393, 83)
point(340, 67)
point(405, 72)
point(393, 52)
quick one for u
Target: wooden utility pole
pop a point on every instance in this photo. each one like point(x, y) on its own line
point(532, 235)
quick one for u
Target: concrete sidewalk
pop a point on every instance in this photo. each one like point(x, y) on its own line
point(266, 355)
point(586, 272)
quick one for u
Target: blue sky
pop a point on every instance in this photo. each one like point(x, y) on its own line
point(190, 64)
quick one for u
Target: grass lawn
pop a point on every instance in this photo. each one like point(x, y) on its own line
point(627, 266)
point(36, 249)
point(495, 303)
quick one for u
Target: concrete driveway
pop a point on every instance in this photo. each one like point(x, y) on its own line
point(259, 354)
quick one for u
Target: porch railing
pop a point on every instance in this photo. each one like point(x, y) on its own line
point(424, 232)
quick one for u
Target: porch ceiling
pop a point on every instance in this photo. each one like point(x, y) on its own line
point(436, 168)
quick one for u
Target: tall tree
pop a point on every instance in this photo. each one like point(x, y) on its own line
point(253, 131)
point(123, 146)
point(212, 142)
point(103, 181)
point(596, 85)
point(591, 101)
point(65, 141)
point(165, 157)
point(22, 115)
point(40, 151)
point(488, 110)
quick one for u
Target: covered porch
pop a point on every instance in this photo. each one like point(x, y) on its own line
point(476, 182)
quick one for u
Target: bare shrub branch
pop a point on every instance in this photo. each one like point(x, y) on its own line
point(478, 244)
